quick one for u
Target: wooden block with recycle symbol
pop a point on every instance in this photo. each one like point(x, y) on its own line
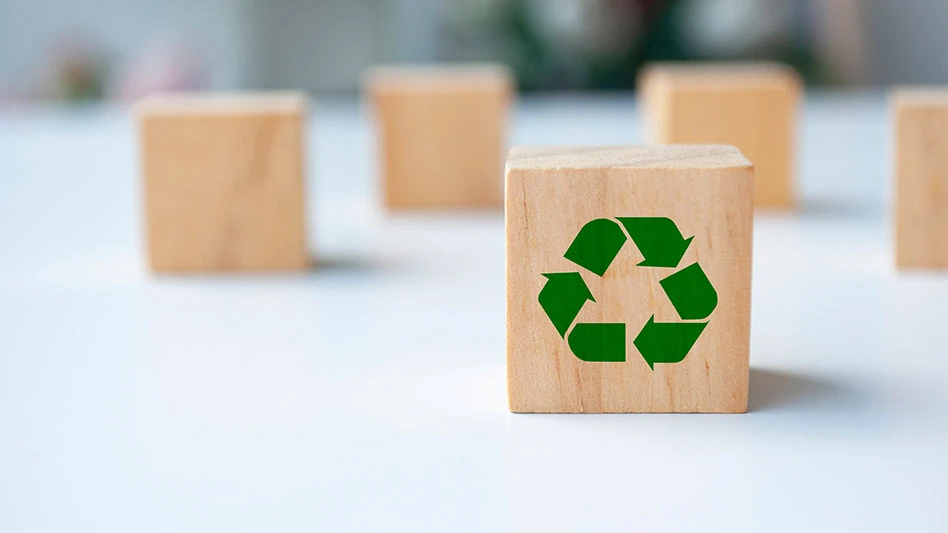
point(628, 279)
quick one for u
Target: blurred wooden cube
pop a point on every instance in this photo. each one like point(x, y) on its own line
point(921, 177)
point(750, 105)
point(223, 181)
point(441, 134)
point(628, 279)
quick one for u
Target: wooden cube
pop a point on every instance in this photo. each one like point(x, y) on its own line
point(441, 134)
point(750, 105)
point(921, 178)
point(223, 181)
point(628, 279)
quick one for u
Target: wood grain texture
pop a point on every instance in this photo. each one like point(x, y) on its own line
point(750, 105)
point(223, 182)
point(550, 194)
point(441, 134)
point(921, 177)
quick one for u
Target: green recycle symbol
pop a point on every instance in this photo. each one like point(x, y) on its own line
point(594, 248)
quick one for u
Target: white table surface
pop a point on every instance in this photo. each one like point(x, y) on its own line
point(369, 394)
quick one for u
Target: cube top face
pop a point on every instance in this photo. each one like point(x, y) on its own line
point(736, 75)
point(439, 78)
point(920, 97)
point(612, 157)
point(242, 104)
point(442, 136)
point(751, 106)
point(223, 183)
point(628, 279)
point(921, 178)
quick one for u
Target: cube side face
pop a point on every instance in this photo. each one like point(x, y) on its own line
point(921, 205)
point(545, 211)
point(443, 149)
point(760, 121)
point(224, 191)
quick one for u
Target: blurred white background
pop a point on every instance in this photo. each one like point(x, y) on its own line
point(62, 49)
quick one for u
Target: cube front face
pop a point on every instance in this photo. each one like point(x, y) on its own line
point(754, 111)
point(442, 147)
point(921, 209)
point(224, 189)
point(549, 204)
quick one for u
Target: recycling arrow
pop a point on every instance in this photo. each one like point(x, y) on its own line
point(667, 342)
point(658, 239)
point(598, 342)
point(562, 298)
point(691, 293)
point(596, 245)
point(594, 248)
